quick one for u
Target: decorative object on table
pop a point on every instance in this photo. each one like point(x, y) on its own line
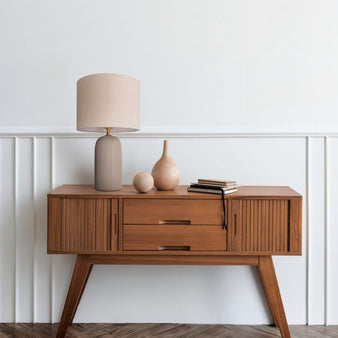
point(223, 183)
point(143, 182)
point(108, 103)
point(165, 172)
point(211, 186)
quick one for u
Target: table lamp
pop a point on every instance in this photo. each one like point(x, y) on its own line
point(108, 103)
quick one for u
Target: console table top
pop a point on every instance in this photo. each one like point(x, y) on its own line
point(84, 190)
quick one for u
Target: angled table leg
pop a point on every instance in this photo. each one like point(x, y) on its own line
point(270, 284)
point(79, 279)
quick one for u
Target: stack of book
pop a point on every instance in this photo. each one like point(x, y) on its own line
point(214, 186)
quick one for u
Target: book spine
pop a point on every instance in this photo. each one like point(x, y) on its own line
point(217, 183)
point(211, 191)
point(213, 186)
point(202, 190)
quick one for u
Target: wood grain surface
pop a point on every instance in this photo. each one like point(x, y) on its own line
point(174, 237)
point(174, 210)
point(268, 277)
point(164, 331)
point(82, 224)
point(79, 280)
point(170, 259)
point(124, 227)
point(258, 225)
point(82, 220)
point(83, 190)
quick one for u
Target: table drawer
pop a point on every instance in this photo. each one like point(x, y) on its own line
point(173, 237)
point(173, 211)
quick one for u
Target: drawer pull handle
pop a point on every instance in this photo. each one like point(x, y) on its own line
point(174, 222)
point(173, 247)
point(235, 224)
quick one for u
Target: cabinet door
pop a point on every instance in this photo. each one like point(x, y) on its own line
point(80, 225)
point(265, 226)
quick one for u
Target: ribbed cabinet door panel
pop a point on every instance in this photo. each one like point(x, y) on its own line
point(82, 224)
point(259, 225)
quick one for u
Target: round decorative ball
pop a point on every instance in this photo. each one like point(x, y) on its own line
point(143, 182)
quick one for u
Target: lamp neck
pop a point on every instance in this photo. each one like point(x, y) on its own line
point(108, 130)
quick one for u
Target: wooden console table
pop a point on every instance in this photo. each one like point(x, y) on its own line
point(174, 227)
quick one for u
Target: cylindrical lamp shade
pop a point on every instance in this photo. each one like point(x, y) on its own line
point(108, 101)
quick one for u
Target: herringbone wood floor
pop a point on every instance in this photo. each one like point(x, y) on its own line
point(163, 330)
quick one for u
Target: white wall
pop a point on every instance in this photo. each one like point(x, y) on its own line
point(263, 70)
point(225, 63)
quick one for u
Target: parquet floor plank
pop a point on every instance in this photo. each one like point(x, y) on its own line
point(163, 331)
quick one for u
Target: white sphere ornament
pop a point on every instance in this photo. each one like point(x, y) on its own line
point(143, 182)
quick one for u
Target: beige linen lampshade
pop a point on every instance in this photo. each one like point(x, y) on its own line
point(108, 103)
point(108, 100)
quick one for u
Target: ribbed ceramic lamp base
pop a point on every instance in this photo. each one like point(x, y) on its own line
point(108, 164)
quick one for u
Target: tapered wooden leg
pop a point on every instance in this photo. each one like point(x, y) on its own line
point(79, 298)
point(270, 284)
point(271, 305)
point(79, 279)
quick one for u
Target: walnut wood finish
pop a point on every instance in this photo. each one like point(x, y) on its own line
point(172, 210)
point(80, 276)
point(169, 259)
point(82, 225)
point(295, 225)
point(132, 330)
point(270, 284)
point(174, 228)
point(98, 222)
point(173, 237)
point(271, 225)
point(128, 191)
